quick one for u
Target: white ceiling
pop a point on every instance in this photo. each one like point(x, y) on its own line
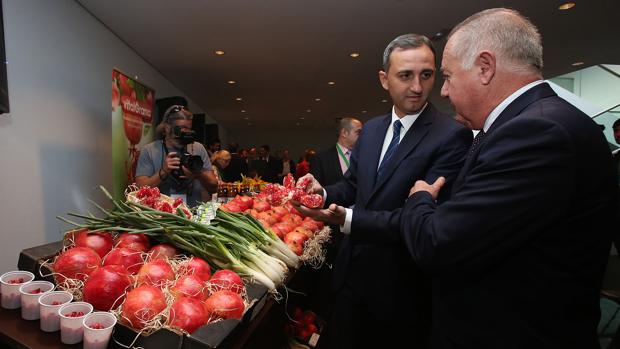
point(282, 53)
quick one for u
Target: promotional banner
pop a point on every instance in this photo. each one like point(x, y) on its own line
point(133, 105)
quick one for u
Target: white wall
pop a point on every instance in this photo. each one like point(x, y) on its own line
point(55, 145)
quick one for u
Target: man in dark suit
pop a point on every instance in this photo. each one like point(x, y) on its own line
point(382, 298)
point(237, 165)
point(267, 166)
point(329, 166)
point(518, 252)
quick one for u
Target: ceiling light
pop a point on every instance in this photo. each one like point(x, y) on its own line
point(239, 98)
point(242, 110)
point(231, 82)
point(308, 110)
point(566, 6)
point(249, 124)
point(246, 118)
point(317, 99)
point(297, 124)
point(331, 83)
point(219, 52)
point(384, 101)
point(302, 118)
point(364, 112)
point(354, 54)
point(577, 64)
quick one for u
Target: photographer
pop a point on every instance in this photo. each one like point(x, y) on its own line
point(176, 164)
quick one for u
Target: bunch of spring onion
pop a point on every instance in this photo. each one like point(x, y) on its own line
point(232, 241)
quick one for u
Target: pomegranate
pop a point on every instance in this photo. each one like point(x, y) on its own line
point(157, 273)
point(282, 228)
point(189, 286)
point(188, 314)
point(128, 258)
point(305, 231)
point(105, 287)
point(292, 218)
point(245, 202)
point(261, 206)
point(138, 242)
point(310, 225)
point(76, 263)
point(143, 303)
point(295, 240)
point(225, 304)
point(268, 217)
point(198, 267)
point(226, 280)
point(318, 223)
point(162, 251)
point(279, 211)
point(100, 242)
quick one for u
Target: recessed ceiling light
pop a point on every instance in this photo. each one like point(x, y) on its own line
point(566, 6)
point(231, 82)
point(384, 101)
point(242, 110)
point(331, 83)
point(364, 112)
point(302, 118)
point(308, 110)
point(246, 118)
point(577, 64)
point(239, 98)
point(317, 99)
point(219, 52)
point(297, 124)
point(354, 54)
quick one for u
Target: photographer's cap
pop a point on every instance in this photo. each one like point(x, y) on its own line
point(176, 112)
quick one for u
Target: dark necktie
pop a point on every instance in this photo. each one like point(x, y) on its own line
point(476, 142)
point(391, 148)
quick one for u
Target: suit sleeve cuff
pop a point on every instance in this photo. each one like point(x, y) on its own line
point(324, 195)
point(346, 227)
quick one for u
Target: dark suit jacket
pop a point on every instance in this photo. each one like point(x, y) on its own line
point(325, 167)
point(518, 252)
point(236, 167)
point(372, 261)
point(268, 170)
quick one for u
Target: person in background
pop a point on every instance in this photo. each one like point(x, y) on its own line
point(303, 166)
point(160, 165)
point(267, 166)
point(329, 166)
point(220, 161)
point(237, 165)
point(252, 155)
point(414, 141)
point(288, 165)
point(518, 253)
point(214, 146)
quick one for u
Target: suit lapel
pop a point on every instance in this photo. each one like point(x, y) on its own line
point(375, 143)
point(512, 110)
point(412, 138)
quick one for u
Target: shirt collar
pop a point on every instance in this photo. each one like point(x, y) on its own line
point(344, 149)
point(408, 119)
point(502, 106)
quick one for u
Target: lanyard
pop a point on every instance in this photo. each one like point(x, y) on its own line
point(341, 153)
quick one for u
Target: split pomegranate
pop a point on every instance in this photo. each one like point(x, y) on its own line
point(100, 242)
point(76, 263)
point(189, 286)
point(156, 273)
point(188, 314)
point(143, 303)
point(138, 242)
point(198, 267)
point(105, 287)
point(162, 251)
point(225, 304)
point(128, 258)
point(226, 280)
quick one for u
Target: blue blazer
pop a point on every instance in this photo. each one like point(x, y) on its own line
point(518, 252)
point(434, 146)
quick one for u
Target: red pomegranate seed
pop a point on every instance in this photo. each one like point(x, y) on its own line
point(74, 314)
point(36, 291)
point(56, 303)
point(17, 281)
point(96, 326)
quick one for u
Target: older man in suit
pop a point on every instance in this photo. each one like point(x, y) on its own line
point(518, 252)
point(329, 166)
point(382, 298)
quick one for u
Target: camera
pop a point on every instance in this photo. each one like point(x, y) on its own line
point(193, 163)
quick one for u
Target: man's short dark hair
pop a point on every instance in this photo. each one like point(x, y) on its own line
point(405, 42)
point(233, 147)
point(616, 124)
point(266, 147)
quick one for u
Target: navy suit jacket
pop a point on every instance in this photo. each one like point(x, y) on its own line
point(518, 252)
point(372, 261)
point(325, 167)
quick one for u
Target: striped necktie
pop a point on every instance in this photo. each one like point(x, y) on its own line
point(391, 148)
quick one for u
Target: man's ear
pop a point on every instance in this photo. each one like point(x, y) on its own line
point(486, 63)
point(383, 79)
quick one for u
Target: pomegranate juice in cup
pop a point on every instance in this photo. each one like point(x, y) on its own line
point(49, 304)
point(10, 283)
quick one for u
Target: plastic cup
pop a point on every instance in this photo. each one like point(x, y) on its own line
point(30, 293)
point(49, 304)
point(98, 328)
point(71, 328)
point(9, 286)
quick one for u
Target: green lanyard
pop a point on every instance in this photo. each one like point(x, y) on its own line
point(344, 158)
